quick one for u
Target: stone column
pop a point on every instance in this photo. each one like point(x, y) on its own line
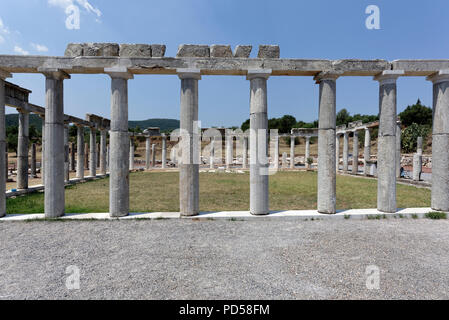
point(22, 150)
point(54, 144)
point(292, 152)
point(107, 158)
point(119, 143)
point(103, 155)
point(164, 151)
point(326, 143)
point(153, 155)
point(259, 201)
point(131, 155)
point(66, 154)
point(43, 150)
point(355, 152)
point(229, 155)
point(3, 160)
point(367, 151)
point(245, 153)
point(345, 151)
point(337, 152)
point(80, 152)
point(189, 162)
point(33, 161)
point(398, 149)
point(307, 155)
point(147, 153)
point(212, 154)
point(386, 159)
point(93, 152)
point(97, 155)
point(417, 166)
point(440, 141)
point(72, 157)
point(419, 146)
point(276, 152)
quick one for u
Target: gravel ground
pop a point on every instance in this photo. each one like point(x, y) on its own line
point(180, 259)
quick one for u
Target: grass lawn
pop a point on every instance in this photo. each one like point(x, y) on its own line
point(158, 191)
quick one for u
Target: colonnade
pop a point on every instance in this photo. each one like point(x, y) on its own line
point(189, 71)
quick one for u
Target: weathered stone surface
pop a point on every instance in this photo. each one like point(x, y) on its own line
point(100, 49)
point(135, 50)
point(192, 50)
point(74, 50)
point(220, 51)
point(158, 50)
point(242, 51)
point(269, 51)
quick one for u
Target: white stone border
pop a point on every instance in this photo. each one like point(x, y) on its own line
point(238, 215)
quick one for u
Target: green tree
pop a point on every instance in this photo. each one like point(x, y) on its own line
point(416, 113)
point(343, 117)
point(410, 136)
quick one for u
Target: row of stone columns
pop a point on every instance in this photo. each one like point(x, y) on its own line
point(292, 151)
point(150, 153)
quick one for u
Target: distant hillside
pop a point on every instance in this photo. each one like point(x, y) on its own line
point(164, 124)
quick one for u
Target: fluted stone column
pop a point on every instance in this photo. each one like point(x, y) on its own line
point(245, 153)
point(93, 152)
point(355, 152)
point(147, 153)
point(307, 155)
point(119, 143)
point(189, 162)
point(326, 143)
point(367, 151)
point(22, 150)
point(80, 152)
point(153, 155)
point(229, 155)
point(33, 161)
point(292, 152)
point(66, 154)
point(72, 157)
point(131, 155)
point(43, 150)
point(103, 152)
point(337, 152)
point(440, 141)
point(345, 151)
point(387, 152)
point(54, 144)
point(259, 200)
point(164, 151)
point(398, 149)
point(3, 161)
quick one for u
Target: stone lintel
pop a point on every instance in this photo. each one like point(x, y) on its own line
point(388, 76)
point(4, 74)
point(440, 76)
point(119, 72)
point(189, 74)
point(53, 73)
point(259, 73)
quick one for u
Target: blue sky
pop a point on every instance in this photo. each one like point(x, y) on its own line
point(303, 29)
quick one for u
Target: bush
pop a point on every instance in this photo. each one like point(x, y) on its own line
point(410, 136)
point(436, 215)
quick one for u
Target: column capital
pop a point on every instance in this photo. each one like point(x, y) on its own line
point(258, 73)
point(53, 73)
point(327, 75)
point(388, 76)
point(189, 73)
point(5, 74)
point(119, 73)
point(440, 76)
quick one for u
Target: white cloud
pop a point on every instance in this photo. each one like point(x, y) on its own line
point(64, 4)
point(39, 47)
point(3, 29)
point(19, 50)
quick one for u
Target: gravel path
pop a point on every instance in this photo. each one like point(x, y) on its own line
point(180, 259)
